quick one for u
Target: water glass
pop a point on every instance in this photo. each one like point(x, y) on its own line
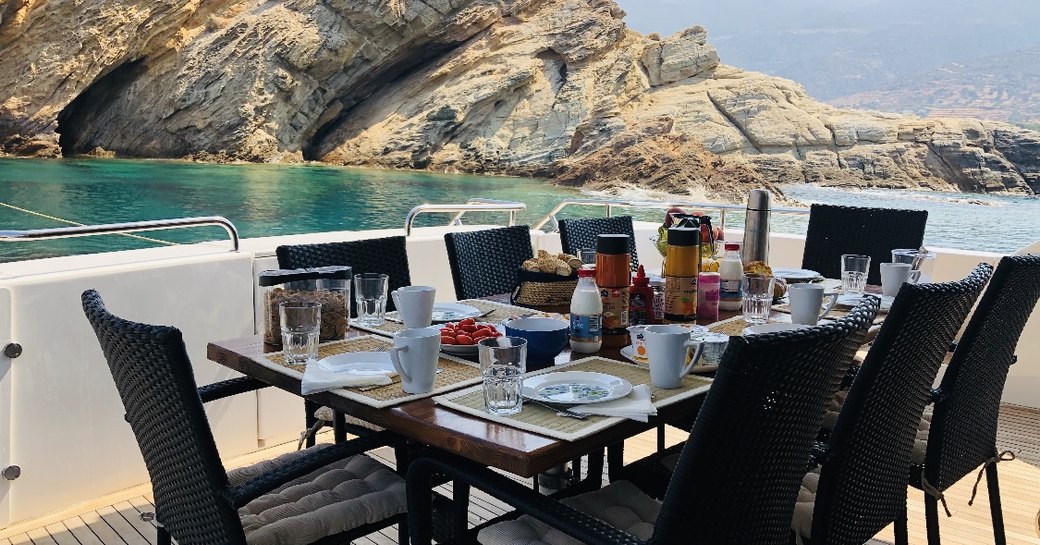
point(925, 263)
point(854, 269)
point(301, 326)
point(587, 257)
point(503, 361)
point(370, 294)
point(758, 297)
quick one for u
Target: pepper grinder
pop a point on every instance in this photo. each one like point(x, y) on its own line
point(756, 227)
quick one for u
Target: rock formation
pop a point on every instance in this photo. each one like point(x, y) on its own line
point(529, 87)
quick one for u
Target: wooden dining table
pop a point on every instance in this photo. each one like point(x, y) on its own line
point(486, 442)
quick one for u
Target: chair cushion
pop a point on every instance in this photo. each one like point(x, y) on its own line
point(336, 498)
point(920, 443)
point(620, 504)
point(328, 415)
point(803, 508)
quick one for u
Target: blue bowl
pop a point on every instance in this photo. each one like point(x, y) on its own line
point(546, 338)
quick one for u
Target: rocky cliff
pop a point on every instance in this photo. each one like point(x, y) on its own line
point(531, 87)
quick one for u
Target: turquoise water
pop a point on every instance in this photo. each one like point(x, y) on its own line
point(266, 200)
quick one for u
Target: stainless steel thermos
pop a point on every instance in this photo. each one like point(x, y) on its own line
point(756, 227)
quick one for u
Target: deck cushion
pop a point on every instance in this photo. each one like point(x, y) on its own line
point(336, 498)
point(620, 504)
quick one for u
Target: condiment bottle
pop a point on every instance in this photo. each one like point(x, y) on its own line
point(586, 313)
point(612, 276)
point(731, 270)
point(682, 265)
point(641, 299)
point(657, 285)
point(708, 297)
point(707, 238)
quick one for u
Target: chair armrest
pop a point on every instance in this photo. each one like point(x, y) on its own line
point(578, 525)
point(262, 484)
point(230, 387)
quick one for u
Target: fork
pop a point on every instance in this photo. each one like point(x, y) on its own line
point(560, 411)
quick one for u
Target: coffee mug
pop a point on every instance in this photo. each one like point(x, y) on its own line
point(415, 305)
point(668, 347)
point(806, 302)
point(414, 354)
point(893, 276)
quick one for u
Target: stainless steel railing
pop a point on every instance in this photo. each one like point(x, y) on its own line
point(610, 205)
point(121, 228)
point(472, 205)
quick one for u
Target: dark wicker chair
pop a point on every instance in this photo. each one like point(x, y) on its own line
point(196, 501)
point(963, 430)
point(735, 482)
point(865, 464)
point(576, 234)
point(836, 230)
point(487, 262)
point(379, 255)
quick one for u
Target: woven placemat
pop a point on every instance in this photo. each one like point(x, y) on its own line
point(493, 312)
point(538, 419)
point(835, 312)
point(734, 327)
point(456, 373)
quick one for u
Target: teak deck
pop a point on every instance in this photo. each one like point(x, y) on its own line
point(116, 520)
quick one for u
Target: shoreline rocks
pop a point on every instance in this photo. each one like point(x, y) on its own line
point(550, 88)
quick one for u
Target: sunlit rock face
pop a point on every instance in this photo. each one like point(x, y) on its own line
point(531, 87)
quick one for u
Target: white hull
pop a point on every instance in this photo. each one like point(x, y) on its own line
point(61, 420)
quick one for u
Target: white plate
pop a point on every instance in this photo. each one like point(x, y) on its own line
point(465, 349)
point(453, 312)
point(359, 363)
point(796, 275)
point(849, 301)
point(771, 328)
point(629, 353)
point(575, 387)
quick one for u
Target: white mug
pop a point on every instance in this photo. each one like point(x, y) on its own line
point(415, 305)
point(806, 302)
point(667, 347)
point(414, 354)
point(893, 276)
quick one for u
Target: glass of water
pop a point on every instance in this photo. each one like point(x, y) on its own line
point(854, 269)
point(503, 361)
point(301, 326)
point(370, 294)
point(758, 297)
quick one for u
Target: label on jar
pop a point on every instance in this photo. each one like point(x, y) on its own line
point(680, 298)
point(585, 328)
point(658, 305)
point(615, 309)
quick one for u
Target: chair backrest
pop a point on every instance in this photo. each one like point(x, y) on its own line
point(377, 255)
point(863, 479)
point(836, 230)
point(153, 375)
point(487, 262)
point(576, 234)
point(737, 478)
point(963, 432)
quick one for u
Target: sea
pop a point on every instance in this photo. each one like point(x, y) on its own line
point(268, 200)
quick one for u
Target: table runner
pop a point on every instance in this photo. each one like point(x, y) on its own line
point(457, 373)
point(538, 419)
point(499, 312)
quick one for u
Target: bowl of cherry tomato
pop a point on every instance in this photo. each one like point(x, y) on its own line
point(460, 338)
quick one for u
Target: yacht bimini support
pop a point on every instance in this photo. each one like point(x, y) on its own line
point(610, 205)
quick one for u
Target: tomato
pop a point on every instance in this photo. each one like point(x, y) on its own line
point(464, 339)
point(468, 328)
point(484, 326)
point(447, 331)
point(480, 334)
point(447, 340)
point(467, 321)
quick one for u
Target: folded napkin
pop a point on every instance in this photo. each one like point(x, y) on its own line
point(634, 406)
point(316, 379)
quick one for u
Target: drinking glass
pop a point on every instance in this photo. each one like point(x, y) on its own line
point(758, 297)
point(925, 262)
point(503, 361)
point(588, 257)
point(301, 325)
point(370, 293)
point(854, 268)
